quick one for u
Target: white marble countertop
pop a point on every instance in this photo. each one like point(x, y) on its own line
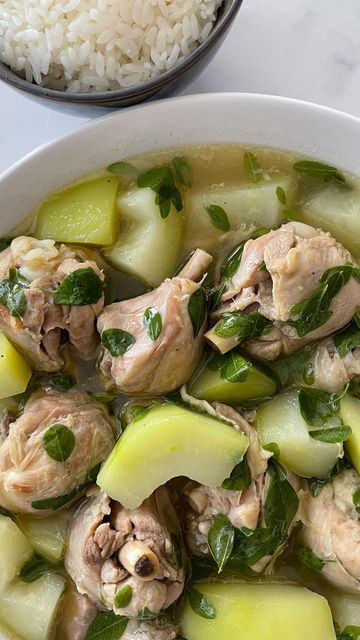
point(296, 48)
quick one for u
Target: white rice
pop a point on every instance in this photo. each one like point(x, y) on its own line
point(100, 45)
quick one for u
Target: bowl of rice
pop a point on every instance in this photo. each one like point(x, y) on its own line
point(109, 52)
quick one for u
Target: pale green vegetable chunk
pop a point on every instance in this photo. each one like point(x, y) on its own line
point(337, 210)
point(148, 247)
point(249, 204)
point(260, 612)
point(280, 421)
point(30, 609)
point(350, 415)
point(47, 536)
point(84, 213)
point(15, 371)
point(14, 552)
point(167, 442)
point(345, 607)
point(7, 634)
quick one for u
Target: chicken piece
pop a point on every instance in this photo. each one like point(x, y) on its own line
point(332, 530)
point(38, 333)
point(37, 466)
point(110, 547)
point(78, 613)
point(158, 629)
point(331, 372)
point(295, 257)
point(158, 366)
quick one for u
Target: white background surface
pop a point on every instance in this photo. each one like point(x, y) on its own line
point(297, 48)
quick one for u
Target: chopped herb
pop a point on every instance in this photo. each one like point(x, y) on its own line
point(281, 503)
point(34, 569)
point(332, 435)
point(79, 288)
point(153, 323)
point(356, 499)
point(244, 326)
point(161, 180)
point(347, 340)
point(252, 545)
point(62, 381)
point(309, 559)
point(320, 171)
point(316, 485)
point(92, 474)
point(215, 296)
point(197, 309)
point(350, 633)
point(308, 373)
point(183, 171)
point(314, 310)
point(291, 368)
point(218, 217)
point(240, 477)
point(58, 442)
point(317, 406)
point(274, 448)
point(122, 169)
point(106, 626)
point(55, 503)
point(232, 262)
point(12, 293)
point(221, 540)
point(236, 369)
point(252, 167)
point(281, 195)
point(201, 604)
point(117, 341)
point(123, 597)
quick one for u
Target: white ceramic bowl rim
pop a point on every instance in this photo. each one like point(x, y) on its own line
point(271, 121)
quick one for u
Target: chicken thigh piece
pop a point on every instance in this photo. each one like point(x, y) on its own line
point(52, 450)
point(166, 328)
point(32, 270)
point(111, 547)
point(332, 530)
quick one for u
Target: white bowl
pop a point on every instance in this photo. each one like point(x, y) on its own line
point(305, 128)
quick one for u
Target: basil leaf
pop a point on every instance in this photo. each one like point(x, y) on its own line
point(244, 326)
point(314, 310)
point(332, 435)
point(282, 502)
point(153, 322)
point(183, 171)
point(201, 604)
point(321, 171)
point(240, 477)
point(62, 381)
point(221, 540)
point(309, 559)
point(123, 597)
point(232, 262)
point(161, 180)
point(58, 442)
point(252, 545)
point(197, 309)
point(5, 243)
point(79, 288)
point(34, 569)
point(122, 168)
point(176, 549)
point(117, 341)
point(317, 406)
point(281, 195)
point(106, 626)
point(347, 340)
point(252, 167)
point(236, 369)
point(55, 503)
point(218, 217)
point(12, 293)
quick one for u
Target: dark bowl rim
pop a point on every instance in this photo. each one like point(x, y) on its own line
point(149, 87)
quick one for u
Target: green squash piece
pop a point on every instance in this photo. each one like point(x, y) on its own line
point(15, 371)
point(47, 536)
point(166, 442)
point(260, 612)
point(350, 415)
point(280, 421)
point(82, 214)
point(14, 552)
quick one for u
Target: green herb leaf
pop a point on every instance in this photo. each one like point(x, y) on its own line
point(281, 195)
point(215, 296)
point(240, 477)
point(176, 548)
point(123, 597)
point(308, 373)
point(347, 340)
point(221, 540)
point(117, 341)
point(62, 381)
point(309, 559)
point(79, 288)
point(333, 435)
point(218, 217)
point(320, 171)
point(356, 499)
point(350, 633)
point(55, 503)
point(314, 310)
point(252, 545)
point(183, 171)
point(153, 322)
point(232, 262)
point(122, 169)
point(290, 369)
point(34, 569)
point(106, 626)
point(244, 326)
point(236, 369)
point(201, 604)
point(317, 406)
point(197, 309)
point(145, 614)
point(12, 293)
point(58, 442)
point(161, 180)
point(5, 243)
point(252, 167)
point(281, 503)
point(316, 485)
point(274, 448)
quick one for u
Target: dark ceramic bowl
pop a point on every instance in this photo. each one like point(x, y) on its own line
point(167, 83)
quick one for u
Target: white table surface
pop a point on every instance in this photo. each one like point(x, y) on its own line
point(296, 48)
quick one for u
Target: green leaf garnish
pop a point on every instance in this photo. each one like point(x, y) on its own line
point(332, 435)
point(215, 296)
point(197, 309)
point(79, 288)
point(117, 341)
point(122, 169)
point(221, 540)
point(350, 633)
point(201, 604)
point(12, 293)
point(317, 406)
point(281, 503)
point(274, 448)
point(320, 171)
point(347, 340)
point(240, 477)
point(123, 597)
point(153, 322)
point(244, 326)
point(308, 373)
point(316, 485)
point(232, 262)
point(356, 499)
point(176, 548)
point(58, 442)
point(34, 569)
point(309, 559)
point(161, 180)
point(106, 626)
point(218, 217)
point(281, 195)
point(252, 167)
point(55, 503)
point(183, 171)
point(62, 381)
point(236, 369)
